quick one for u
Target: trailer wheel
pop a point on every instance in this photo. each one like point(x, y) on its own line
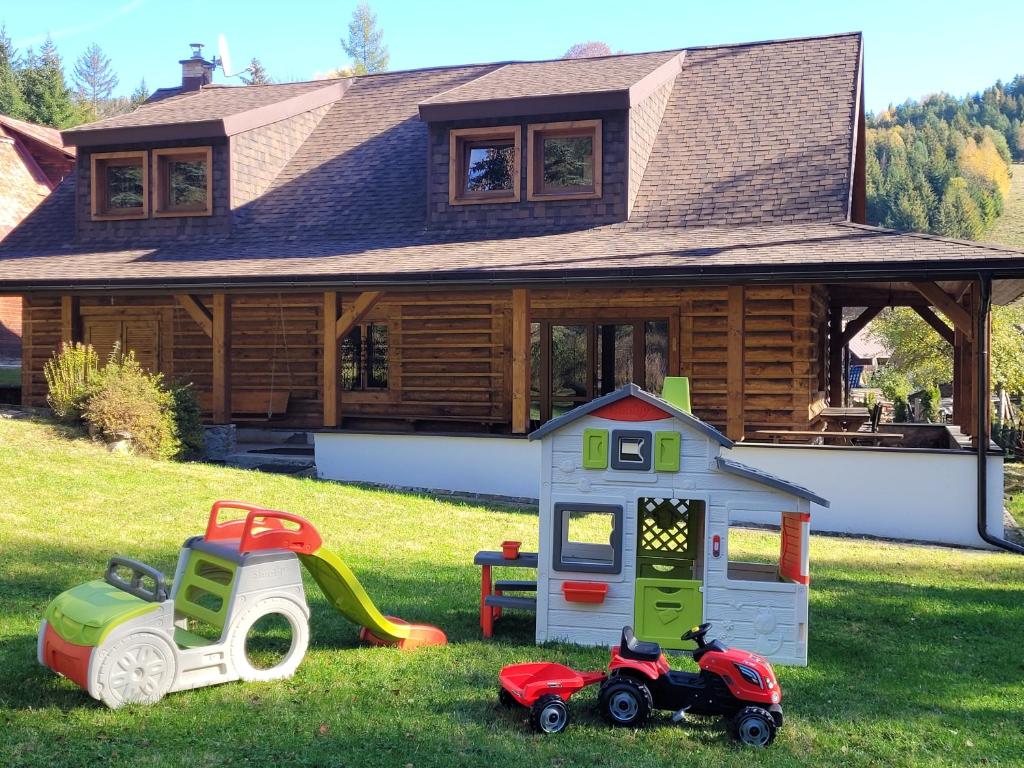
point(506, 699)
point(549, 714)
point(239, 640)
point(625, 702)
point(754, 727)
point(138, 669)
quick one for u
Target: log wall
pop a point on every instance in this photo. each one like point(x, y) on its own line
point(451, 353)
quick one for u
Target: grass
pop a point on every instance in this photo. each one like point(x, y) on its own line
point(915, 651)
point(10, 377)
point(1009, 228)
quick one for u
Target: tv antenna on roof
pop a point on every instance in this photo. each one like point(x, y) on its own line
point(223, 60)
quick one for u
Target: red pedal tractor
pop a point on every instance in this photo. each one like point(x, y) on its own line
point(735, 684)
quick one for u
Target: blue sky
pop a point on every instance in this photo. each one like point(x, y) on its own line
point(912, 47)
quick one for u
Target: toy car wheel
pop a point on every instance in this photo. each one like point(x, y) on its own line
point(506, 699)
point(754, 727)
point(138, 669)
point(625, 702)
point(549, 714)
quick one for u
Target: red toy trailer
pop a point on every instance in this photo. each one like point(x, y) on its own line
point(739, 686)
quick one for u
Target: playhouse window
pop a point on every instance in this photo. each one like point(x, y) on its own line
point(364, 358)
point(765, 554)
point(588, 538)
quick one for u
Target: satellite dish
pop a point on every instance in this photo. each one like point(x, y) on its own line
point(225, 56)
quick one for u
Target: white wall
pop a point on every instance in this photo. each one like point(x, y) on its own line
point(500, 466)
point(902, 494)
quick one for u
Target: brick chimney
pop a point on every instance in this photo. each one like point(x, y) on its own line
point(195, 70)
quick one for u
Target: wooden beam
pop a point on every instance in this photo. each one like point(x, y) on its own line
point(196, 311)
point(221, 323)
point(858, 324)
point(330, 381)
point(734, 365)
point(520, 360)
point(945, 303)
point(835, 355)
point(364, 303)
point(70, 331)
point(935, 322)
point(868, 296)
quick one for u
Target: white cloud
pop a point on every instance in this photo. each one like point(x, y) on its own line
point(96, 23)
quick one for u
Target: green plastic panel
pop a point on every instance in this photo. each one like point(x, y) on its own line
point(665, 609)
point(595, 449)
point(666, 451)
point(205, 588)
point(676, 390)
point(85, 614)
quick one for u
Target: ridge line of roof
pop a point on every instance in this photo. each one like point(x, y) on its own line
point(775, 41)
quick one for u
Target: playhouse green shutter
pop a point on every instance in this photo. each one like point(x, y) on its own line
point(595, 449)
point(666, 451)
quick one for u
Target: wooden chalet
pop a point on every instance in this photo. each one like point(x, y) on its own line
point(476, 249)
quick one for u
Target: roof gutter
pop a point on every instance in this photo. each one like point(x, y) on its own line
point(981, 334)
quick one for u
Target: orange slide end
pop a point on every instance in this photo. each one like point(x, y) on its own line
point(420, 635)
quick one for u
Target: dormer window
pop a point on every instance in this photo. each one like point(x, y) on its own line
point(484, 165)
point(183, 181)
point(120, 185)
point(565, 160)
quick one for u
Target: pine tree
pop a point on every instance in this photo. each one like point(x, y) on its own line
point(363, 44)
point(12, 101)
point(46, 93)
point(257, 74)
point(959, 215)
point(94, 78)
point(139, 95)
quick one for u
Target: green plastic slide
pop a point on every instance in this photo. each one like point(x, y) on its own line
point(346, 594)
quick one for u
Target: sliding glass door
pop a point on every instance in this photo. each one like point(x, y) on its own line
point(575, 361)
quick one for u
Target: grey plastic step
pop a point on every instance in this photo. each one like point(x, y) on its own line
point(504, 601)
point(515, 586)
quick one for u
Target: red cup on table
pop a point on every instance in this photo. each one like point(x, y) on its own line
point(510, 549)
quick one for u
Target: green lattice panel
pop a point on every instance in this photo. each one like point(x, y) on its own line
point(665, 526)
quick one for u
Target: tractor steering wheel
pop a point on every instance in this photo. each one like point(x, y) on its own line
point(697, 633)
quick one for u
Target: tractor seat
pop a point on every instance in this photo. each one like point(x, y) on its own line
point(638, 650)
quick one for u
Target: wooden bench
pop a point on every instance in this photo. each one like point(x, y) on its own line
point(843, 438)
point(252, 403)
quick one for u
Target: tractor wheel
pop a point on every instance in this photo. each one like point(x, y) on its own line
point(506, 699)
point(244, 636)
point(754, 727)
point(625, 702)
point(138, 669)
point(549, 714)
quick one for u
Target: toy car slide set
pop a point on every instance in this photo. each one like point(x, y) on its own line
point(132, 637)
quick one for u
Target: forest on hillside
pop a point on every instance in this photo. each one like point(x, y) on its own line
point(942, 164)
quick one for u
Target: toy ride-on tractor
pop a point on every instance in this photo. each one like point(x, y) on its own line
point(731, 683)
point(131, 638)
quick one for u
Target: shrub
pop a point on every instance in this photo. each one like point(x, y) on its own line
point(69, 375)
point(188, 420)
point(127, 402)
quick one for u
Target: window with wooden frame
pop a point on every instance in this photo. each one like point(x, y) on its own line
point(184, 182)
point(120, 185)
point(483, 165)
point(564, 161)
point(364, 361)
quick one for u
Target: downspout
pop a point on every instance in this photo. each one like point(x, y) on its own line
point(982, 385)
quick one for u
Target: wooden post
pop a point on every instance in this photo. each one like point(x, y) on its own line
point(70, 331)
point(735, 426)
point(221, 358)
point(330, 382)
point(520, 361)
point(835, 355)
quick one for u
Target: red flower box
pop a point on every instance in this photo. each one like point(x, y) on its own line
point(584, 591)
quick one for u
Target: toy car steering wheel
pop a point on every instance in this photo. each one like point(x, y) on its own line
point(697, 633)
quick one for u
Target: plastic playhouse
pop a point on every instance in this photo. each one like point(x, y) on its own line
point(734, 684)
point(637, 497)
point(129, 637)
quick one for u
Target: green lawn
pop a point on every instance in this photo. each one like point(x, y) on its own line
point(10, 377)
point(1009, 227)
point(915, 651)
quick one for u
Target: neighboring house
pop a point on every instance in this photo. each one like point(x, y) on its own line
point(865, 355)
point(473, 250)
point(33, 160)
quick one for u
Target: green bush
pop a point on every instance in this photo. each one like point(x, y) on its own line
point(188, 420)
point(69, 375)
point(126, 402)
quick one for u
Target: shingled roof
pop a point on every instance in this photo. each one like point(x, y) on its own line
point(749, 177)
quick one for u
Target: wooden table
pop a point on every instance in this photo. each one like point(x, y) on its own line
point(492, 594)
point(845, 419)
point(833, 438)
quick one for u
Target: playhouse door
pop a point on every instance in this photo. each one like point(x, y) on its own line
point(668, 599)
